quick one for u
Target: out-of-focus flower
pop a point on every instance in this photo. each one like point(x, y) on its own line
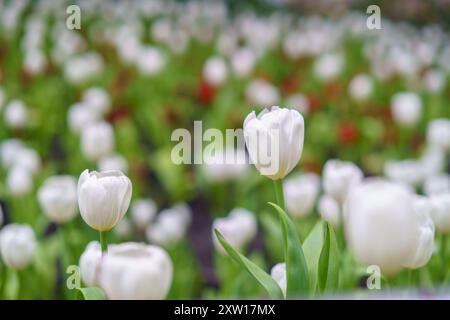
point(388, 226)
point(440, 211)
point(16, 114)
point(262, 93)
point(17, 245)
point(170, 226)
point(58, 198)
point(9, 149)
point(300, 193)
point(298, 102)
point(278, 273)
point(142, 212)
point(103, 198)
point(360, 87)
point(329, 210)
point(150, 61)
point(90, 263)
point(438, 133)
point(328, 66)
point(97, 140)
point(339, 177)
point(80, 116)
point(407, 172)
point(123, 228)
point(80, 68)
point(406, 108)
point(136, 271)
point(435, 185)
point(243, 62)
point(98, 99)
point(113, 162)
point(215, 71)
point(231, 164)
point(239, 228)
point(274, 140)
point(35, 61)
point(434, 80)
point(19, 181)
point(28, 159)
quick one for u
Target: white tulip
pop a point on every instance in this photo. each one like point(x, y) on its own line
point(34, 61)
point(98, 99)
point(274, 140)
point(28, 159)
point(339, 177)
point(243, 62)
point(81, 68)
point(262, 93)
point(19, 181)
point(136, 271)
point(239, 228)
point(434, 80)
point(408, 172)
point(440, 211)
point(9, 149)
point(16, 114)
point(278, 273)
point(388, 226)
point(81, 116)
point(170, 226)
point(298, 102)
point(58, 198)
point(142, 212)
point(103, 198)
point(97, 140)
point(113, 162)
point(215, 71)
point(432, 162)
point(435, 185)
point(150, 61)
point(329, 210)
point(300, 194)
point(17, 245)
point(360, 87)
point(406, 108)
point(89, 263)
point(328, 66)
point(438, 133)
point(231, 164)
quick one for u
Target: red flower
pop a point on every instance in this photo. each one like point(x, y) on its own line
point(289, 85)
point(347, 132)
point(206, 93)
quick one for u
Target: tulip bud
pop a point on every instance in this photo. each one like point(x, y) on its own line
point(329, 210)
point(215, 71)
point(58, 198)
point(435, 185)
point(339, 177)
point(97, 140)
point(360, 87)
point(300, 194)
point(438, 133)
point(274, 140)
point(406, 108)
point(19, 181)
point(278, 273)
point(440, 211)
point(142, 212)
point(136, 271)
point(16, 114)
point(388, 226)
point(103, 198)
point(97, 99)
point(89, 264)
point(239, 228)
point(113, 162)
point(170, 226)
point(17, 245)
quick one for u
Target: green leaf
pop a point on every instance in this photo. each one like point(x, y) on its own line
point(91, 293)
point(297, 277)
point(329, 261)
point(264, 279)
point(312, 246)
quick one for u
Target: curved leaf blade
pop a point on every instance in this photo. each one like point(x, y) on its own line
point(297, 276)
point(264, 279)
point(312, 247)
point(91, 293)
point(329, 261)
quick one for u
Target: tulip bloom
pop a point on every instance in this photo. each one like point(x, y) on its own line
point(389, 226)
point(300, 193)
point(339, 177)
point(17, 245)
point(274, 140)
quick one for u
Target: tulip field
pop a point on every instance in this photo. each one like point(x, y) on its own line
point(223, 150)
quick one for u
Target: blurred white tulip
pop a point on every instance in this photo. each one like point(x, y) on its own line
point(113, 162)
point(58, 198)
point(81, 116)
point(215, 71)
point(98, 99)
point(16, 114)
point(243, 61)
point(298, 102)
point(278, 273)
point(406, 108)
point(300, 193)
point(339, 177)
point(17, 245)
point(328, 66)
point(97, 140)
point(231, 164)
point(329, 210)
point(440, 211)
point(274, 140)
point(150, 61)
point(262, 93)
point(19, 181)
point(435, 185)
point(89, 264)
point(360, 87)
point(438, 133)
point(9, 149)
point(142, 212)
point(103, 198)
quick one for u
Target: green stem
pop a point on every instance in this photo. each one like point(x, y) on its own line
point(444, 255)
point(103, 241)
point(279, 193)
